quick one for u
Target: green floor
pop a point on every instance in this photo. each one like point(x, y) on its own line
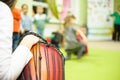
point(99, 64)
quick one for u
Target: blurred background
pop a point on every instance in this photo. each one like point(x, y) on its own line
point(93, 16)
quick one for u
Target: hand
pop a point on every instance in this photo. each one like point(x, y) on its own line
point(22, 31)
point(29, 41)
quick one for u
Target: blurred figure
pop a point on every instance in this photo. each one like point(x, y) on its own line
point(16, 29)
point(39, 20)
point(73, 45)
point(57, 39)
point(116, 16)
point(26, 22)
point(12, 64)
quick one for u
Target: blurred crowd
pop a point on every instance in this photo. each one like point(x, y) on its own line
point(67, 37)
point(23, 23)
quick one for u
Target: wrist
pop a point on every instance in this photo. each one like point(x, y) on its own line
point(26, 45)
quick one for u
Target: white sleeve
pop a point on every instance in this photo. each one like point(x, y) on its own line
point(19, 59)
point(11, 65)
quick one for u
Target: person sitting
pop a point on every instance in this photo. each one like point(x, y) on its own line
point(73, 45)
point(12, 64)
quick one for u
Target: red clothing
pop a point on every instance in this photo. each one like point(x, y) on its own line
point(17, 18)
point(79, 37)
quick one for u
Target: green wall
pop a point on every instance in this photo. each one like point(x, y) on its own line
point(116, 3)
point(83, 12)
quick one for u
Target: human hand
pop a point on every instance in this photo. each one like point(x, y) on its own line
point(29, 41)
point(22, 31)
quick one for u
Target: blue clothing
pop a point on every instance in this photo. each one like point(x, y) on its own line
point(40, 31)
point(26, 23)
point(16, 37)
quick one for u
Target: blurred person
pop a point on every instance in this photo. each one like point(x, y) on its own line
point(39, 20)
point(16, 27)
point(12, 64)
point(57, 38)
point(72, 43)
point(26, 22)
point(116, 16)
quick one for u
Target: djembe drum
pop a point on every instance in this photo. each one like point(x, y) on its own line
point(47, 62)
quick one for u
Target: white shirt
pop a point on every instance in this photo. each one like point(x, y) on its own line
point(40, 17)
point(11, 64)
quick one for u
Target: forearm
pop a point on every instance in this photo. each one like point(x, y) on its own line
point(19, 59)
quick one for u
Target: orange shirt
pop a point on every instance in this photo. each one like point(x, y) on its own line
point(17, 18)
